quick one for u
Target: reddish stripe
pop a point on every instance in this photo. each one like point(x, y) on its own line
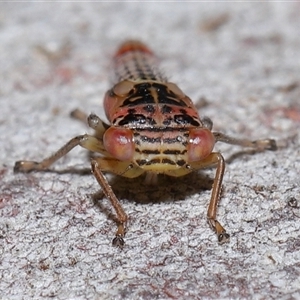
point(131, 46)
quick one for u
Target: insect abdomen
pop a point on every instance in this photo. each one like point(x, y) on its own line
point(135, 61)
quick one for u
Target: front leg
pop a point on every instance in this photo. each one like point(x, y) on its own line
point(109, 193)
point(214, 158)
point(122, 168)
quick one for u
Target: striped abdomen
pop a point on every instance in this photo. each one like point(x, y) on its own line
point(135, 61)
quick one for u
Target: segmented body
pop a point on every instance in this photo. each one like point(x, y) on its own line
point(157, 112)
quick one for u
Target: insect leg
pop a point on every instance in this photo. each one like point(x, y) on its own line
point(109, 193)
point(122, 168)
point(86, 141)
point(93, 121)
point(260, 145)
point(79, 115)
point(212, 159)
point(97, 124)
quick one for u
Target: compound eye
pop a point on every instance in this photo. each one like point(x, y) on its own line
point(200, 144)
point(119, 143)
point(123, 88)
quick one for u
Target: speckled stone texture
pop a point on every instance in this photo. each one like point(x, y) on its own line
point(241, 61)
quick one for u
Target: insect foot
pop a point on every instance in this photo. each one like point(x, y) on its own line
point(25, 166)
point(223, 237)
point(118, 241)
point(267, 144)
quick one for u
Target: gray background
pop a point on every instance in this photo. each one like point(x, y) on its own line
point(242, 60)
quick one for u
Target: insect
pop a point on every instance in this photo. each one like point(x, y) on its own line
point(154, 129)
